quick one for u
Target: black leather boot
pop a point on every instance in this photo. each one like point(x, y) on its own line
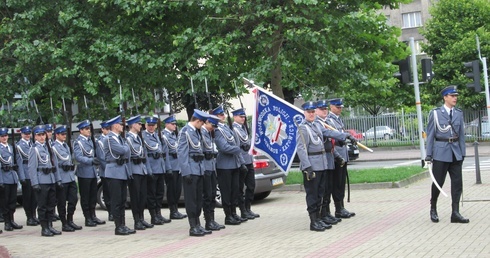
point(175, 214)
point(154, 218)
point(120, 230)
point(89, 222)
point(352, 214)
point(65, 227)
point(53, 230)
point(194, 230)
point(340, 212)
point(256, 215)
point(8, 225)
point(210, 223)
point(329, 220)
point(198, 225)
point(233, 213)
point(314, 225)
point(69, 219)
point(162, 218)
point(456, 217)
point(31, 222)
point(14, 225)
point(244, 213)
point(45, 230)
point(229, 219)
point(95, 219)
point(146, 224)
point(123, 224)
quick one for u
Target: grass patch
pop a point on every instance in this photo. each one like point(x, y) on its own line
point(369, 175)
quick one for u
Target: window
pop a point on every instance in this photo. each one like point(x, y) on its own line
point(411, 20)
point(388, 20)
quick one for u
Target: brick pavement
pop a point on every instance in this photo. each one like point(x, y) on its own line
point(389, 223)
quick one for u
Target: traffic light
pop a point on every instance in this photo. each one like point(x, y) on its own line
point(427, 73)
point(474, 74)
point(404, 74)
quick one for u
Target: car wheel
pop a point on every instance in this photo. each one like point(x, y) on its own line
point(218, 197)
point(261, 196)
point(387, 136)
point(100, 198)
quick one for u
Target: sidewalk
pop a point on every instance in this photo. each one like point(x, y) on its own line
point(390, 222)
point(413, 152)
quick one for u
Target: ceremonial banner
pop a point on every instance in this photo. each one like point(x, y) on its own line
point(274, 128)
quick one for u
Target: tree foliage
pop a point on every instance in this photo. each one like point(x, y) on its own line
point(71, 49)
point(451, 35)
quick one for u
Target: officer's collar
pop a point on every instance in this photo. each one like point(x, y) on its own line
point(84, 137)
point(60, 142)
point(133, 134)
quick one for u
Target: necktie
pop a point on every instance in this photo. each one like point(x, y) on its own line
point(451, 115)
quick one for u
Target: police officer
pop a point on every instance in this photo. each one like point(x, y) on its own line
point(44, 179)
point(190, 156)
point(29, 202)
point(49, 135)
point(229, 164)
point(340, 175)
point(101, 157)
point(313, 162)
point(446, 151)
point(332, 157)
point(138, 167)
point(117, 154)
point(209, 179)
point(67, 196)
point(8, 181)
point(247, 178)
point(84, 151)
point(173, 177)
point(158, 164)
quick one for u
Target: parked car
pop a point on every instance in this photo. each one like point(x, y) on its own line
point(358, 135)
point(382, 132)
point(268, 177)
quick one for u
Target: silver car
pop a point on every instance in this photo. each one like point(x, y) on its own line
point(382, 132)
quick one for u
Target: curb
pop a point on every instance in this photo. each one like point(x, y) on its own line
point(366, 186)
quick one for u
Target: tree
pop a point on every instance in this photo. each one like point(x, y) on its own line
point(451, 42)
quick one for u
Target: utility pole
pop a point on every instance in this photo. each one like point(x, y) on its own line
point(418, 104)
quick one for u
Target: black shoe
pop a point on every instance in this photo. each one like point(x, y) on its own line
point(253, 214)
point(120, 231)
point(343, 213)
point(333, 218)
point(129, 230)
point(54, 231)
point(230, 220)
point(236, 217)
point(205, 231)
point(211, 226)
point(46, 232)
point(139, 226)
point(194, 231)
point(31, 222)
point(15, 225)
point(146, 224)
point(433, 215)
point(8, 227)
point(457, 218)
point(98, 221)
point(163, 219)
point(329, 220)
point(247, 215)
point(323, 224)
point(314, 226)
point(110, 218)
point(56, 217)
point(74, 226)
point(156, 221)
point(67, 228)
point(90, 223)
point(216, 224)
point(177, 215)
